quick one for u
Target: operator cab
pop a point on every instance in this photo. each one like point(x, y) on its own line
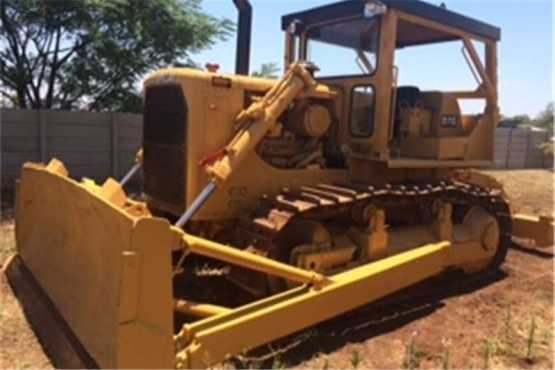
point(354, 45)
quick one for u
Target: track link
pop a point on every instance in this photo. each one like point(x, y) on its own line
point(324, 201)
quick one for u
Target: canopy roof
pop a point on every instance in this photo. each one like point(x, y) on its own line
point(408, 34)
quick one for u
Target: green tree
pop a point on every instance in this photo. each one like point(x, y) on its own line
point(267, 70)
point(91, 54)
point(520, 119)
point(545, 119)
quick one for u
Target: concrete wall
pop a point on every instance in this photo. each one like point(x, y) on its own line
point(519, 148)
point(98, 145)
point(94, 145)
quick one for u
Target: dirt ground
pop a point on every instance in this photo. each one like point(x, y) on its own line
point(503, 320)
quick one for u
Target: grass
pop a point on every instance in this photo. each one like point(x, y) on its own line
point(7, 240)
point(24, 365)
point(530, 340)
point(547, 337)
point(508, 318)
point(446, 343)
point(413, 356)
point(489, 346)
point(502, 348)
point(355, 359)
point(517, 347)
point(277, 363)
point(445, 359)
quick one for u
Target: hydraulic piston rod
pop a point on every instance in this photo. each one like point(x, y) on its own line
point(133, 170)
point(198, 202)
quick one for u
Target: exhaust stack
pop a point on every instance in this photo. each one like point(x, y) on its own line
point(242, 58)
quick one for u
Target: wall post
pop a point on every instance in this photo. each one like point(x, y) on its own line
point(527, 164)
point(115, 146)
point(508, 149)
point(43, 149)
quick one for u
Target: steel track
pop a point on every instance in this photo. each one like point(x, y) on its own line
point(326, 201)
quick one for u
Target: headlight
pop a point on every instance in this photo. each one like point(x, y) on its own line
point(374, 7)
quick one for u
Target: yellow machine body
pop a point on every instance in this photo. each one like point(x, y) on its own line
point(309, 196)
point(222, 99)
point(423, 141)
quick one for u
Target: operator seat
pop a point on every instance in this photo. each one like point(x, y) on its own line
point(407, 97)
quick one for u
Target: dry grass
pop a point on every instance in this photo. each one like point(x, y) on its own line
point(19, 347)
point(486, 326)
point(7, 239)
point(531, 191)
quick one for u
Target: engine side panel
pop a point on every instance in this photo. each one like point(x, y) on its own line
point(212, 104)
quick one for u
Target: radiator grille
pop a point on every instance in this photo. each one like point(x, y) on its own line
point(164, 138)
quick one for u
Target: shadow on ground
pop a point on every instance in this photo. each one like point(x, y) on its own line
point(533, 251)
point(369, 321)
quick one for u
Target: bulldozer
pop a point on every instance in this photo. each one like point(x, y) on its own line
point(271, 205)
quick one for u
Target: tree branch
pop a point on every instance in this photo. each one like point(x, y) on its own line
point(53, 72)
point(11, 37)
point(43, 56)
point(10, 97)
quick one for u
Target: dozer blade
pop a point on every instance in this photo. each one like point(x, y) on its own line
point(89, 267)
point(539, 229)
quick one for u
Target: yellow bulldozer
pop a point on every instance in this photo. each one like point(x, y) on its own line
point(271, 205)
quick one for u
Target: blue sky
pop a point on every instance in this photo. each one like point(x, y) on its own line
point(525, 51)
